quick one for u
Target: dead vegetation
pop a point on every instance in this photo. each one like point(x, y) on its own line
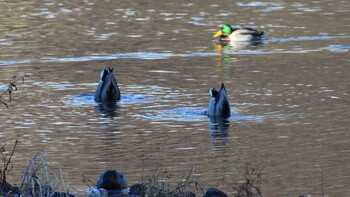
point(42, 179)
point(39, 178)
point(6, 189)
point(161, 183)
point(251, 187)
point(11, 88)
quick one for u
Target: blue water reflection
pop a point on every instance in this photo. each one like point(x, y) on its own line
point(88, 99)
point(183, 114)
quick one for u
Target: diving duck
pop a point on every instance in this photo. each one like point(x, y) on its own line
point(211, 192)
point(227, 33)
point(107, 89)
point(219, 105)
point(111, 180)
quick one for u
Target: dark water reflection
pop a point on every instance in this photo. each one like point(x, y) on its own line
point(289, 92)
point(108, 109)
point(219, 131)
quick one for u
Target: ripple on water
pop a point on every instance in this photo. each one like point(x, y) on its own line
point(258, 4)
point(187, 114)
point(163, 112)
point(240, 49)
point(270, 6)
point(259, 48)
point(57, 86)
point(338, 48)
point(190, 114)
point(88, 99)
point(305, 38)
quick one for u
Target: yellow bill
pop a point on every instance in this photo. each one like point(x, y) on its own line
point(219, 33)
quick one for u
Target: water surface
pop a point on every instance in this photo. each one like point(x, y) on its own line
point(289, 93)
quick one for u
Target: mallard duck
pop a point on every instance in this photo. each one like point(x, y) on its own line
point(227, 33)
point(218, 104)
point(107, 89)
point(214, 192)
point(111, 180)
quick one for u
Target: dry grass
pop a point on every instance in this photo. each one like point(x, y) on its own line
point(162, 183)
point(251, 187)
point(41, 179)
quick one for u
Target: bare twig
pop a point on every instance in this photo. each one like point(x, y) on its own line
point(87, 181)
point(6, 160)
point(181, 186)
point(251, 186)
point(12, 87)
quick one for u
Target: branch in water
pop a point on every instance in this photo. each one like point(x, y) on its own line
point(12, 87)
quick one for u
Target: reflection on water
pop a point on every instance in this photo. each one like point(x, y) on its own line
point(264, 46)
point(236, 47)
point(288, 93)
point(88, 99)
point(218, 129)
point(108, 109)
point(178, 114)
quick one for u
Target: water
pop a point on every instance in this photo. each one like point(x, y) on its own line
point(288, 93)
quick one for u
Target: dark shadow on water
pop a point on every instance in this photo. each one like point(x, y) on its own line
point(108, 109)
point(218, 131)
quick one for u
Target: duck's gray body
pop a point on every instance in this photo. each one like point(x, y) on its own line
point(219, 104)
point(107, 89)
point(243, 35)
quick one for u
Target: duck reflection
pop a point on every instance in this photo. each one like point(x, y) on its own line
point(108, 109)
point(218, 131)
point(107, 93)
point(219, 111)
point(219, 127)
point(235, 46)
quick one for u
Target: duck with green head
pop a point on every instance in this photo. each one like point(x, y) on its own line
point(227, 33)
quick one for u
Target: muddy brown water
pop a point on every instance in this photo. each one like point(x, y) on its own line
point(289, 94)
